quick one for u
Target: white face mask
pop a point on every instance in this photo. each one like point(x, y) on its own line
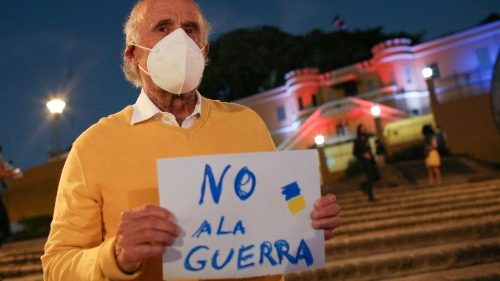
point(175, 63)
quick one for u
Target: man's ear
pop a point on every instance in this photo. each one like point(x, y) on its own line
point(205, 50)
point(129, 54)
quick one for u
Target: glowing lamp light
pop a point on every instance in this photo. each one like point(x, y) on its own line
point(319, 140)
point(376, 111)
point(296, 125)
point(427, 72)
point(56, 106)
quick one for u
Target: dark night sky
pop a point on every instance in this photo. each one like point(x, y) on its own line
point(44, 43)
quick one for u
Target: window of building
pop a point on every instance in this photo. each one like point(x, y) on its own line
point(369, 85)
point(349, 88)
point(340, 130)
point(281, 113)
point(314, 100)
point(435, 70)
point(483, 56)
point(407, 72)
point(301, 103)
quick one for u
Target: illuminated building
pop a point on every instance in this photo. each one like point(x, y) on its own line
point(332, 103)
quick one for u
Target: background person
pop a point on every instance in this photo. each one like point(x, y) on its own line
point(433, 161)
point(442, 145)
point(6, 172)
point(366, 162)
point(431, 155)
point(380, 152)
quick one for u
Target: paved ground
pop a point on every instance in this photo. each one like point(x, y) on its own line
point(414, 174)
point(415, 170)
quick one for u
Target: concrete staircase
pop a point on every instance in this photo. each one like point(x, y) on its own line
point(450, 232)
point(20, 261)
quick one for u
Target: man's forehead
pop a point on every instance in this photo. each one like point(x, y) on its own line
point(174, 9)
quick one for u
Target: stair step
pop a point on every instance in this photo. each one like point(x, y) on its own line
point(416, 196)
point(411, 237)
point(19, 270)
point(405, 213)
point(406, 262)
point(408, 203)
point(28, 277)
point(22, 246)
point(482, 272)
point(356, 196)
point(21, 258)
point(425, 217)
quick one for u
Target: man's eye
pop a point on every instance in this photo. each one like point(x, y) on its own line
point(162, 29)
point(190, 30)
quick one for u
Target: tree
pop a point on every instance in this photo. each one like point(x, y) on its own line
point(250, 60)
point(490, 18)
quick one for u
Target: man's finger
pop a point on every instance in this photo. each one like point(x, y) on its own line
point(147, 211)
point(154, 223)
point(326, 211)
point(328, 223)
point(144, 251)
point(325, 200)
point(151, 236)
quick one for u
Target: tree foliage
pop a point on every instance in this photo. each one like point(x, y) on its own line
point(250, 60)
point(490, 18)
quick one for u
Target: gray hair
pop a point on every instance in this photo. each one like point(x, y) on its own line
point(130, 28)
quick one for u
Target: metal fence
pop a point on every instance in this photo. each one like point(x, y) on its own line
point(463, 85)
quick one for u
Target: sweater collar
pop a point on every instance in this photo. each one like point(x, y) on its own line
point(144, 108)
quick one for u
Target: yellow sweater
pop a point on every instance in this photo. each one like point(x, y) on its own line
point(112, 168)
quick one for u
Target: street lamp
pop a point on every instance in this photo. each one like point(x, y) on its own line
point(428, 74)
point(56, 108)
point(376, 111)
point(319, 140)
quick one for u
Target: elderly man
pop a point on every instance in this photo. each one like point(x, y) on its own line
point(107, 225)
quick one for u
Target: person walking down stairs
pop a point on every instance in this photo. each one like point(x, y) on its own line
point(364, 157)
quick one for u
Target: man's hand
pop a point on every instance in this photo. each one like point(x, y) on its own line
point(143, 232)
point(326, 215)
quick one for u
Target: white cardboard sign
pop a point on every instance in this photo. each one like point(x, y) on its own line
point(242, 215)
